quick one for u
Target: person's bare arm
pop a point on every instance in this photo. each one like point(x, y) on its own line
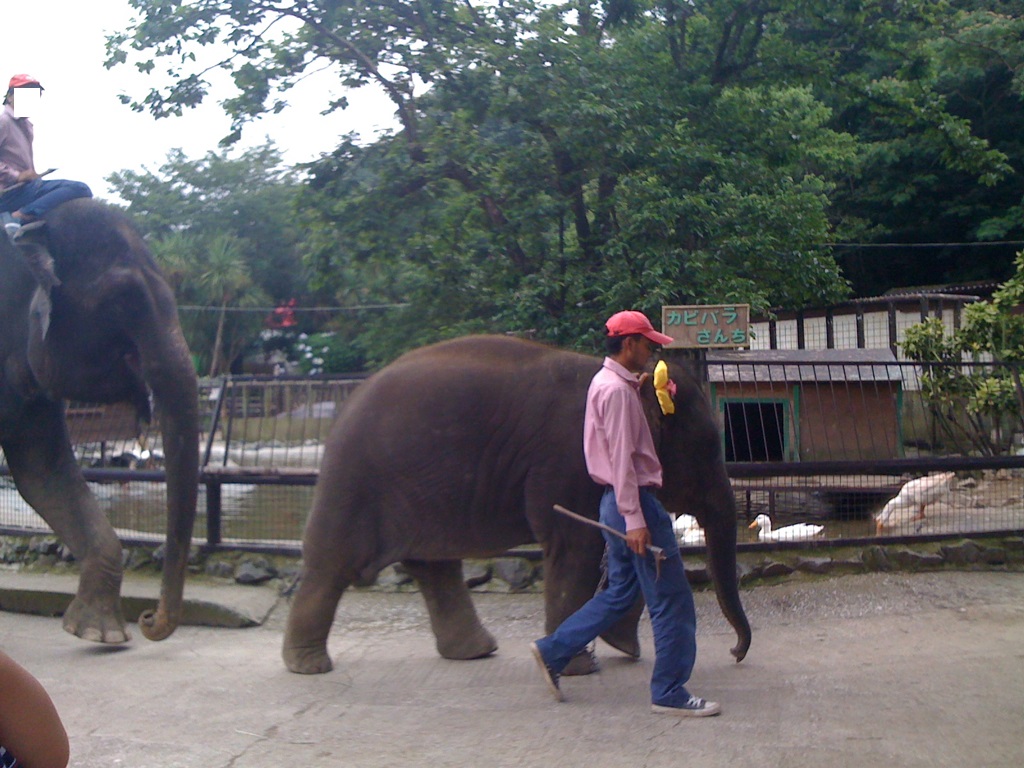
point(30, 728)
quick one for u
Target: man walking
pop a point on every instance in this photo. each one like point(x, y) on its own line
point(620, 456)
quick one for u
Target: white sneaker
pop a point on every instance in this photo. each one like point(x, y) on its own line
point(12, 227)
point(694, 707)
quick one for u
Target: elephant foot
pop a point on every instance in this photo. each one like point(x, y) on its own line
point(307, 661)
point(476, 646)
point(97, 626)
point(583, 663)
point(627, 645)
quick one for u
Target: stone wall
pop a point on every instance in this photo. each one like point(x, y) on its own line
point(525, 574)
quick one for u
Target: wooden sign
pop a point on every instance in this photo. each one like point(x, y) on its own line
point(706, 326)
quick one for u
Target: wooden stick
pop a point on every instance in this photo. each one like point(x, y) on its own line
point(658, 552)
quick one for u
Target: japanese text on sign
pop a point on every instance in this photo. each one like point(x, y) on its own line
point(712, 325)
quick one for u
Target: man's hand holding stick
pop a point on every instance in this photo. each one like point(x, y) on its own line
point(657, 552)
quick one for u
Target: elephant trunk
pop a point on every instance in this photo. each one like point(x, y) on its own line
point(171, 376)
point(720, 532)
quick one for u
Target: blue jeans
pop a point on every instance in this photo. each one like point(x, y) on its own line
point(669, 602)
point(34, 198)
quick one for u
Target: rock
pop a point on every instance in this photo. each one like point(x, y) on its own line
point(772, 569)
point(65, 554)
point(876, 559)
point(43, 546)
point(46, 561)
point(912, 560)
point(697, 572)
point(964, 553)
point(848, 565)
point(137, 558)
point(254, 571)
point(220, 569)
point(392, 577)
point(993, 556)
point(514, 571)
point(476, 574)
point(817, 565)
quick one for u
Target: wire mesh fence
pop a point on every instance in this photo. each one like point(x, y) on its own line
point(830, 438)
point(863, 445)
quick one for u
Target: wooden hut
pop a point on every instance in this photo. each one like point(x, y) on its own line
point(807, 405)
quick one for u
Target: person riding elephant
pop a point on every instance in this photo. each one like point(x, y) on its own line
point(87, 316)
point(24, 193)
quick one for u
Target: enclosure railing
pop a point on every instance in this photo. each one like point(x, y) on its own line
point(826, 441)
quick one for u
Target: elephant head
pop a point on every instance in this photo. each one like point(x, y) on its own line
point(102, 327)
point(696, 482)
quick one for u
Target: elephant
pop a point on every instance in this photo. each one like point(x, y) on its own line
point(88, 316)
point(461, 450)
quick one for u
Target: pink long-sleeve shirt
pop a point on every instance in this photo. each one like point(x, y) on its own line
point(15, 146)
point(617, 441)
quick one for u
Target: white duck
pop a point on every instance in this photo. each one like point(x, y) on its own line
point(688, 530)
point(796, 532)
point(909, 504)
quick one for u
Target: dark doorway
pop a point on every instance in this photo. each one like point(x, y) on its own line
point(755, 431)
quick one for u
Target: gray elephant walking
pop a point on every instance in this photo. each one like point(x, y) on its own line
point(460, 450)
point(88, 316)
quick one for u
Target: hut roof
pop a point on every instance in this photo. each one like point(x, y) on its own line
point(795, 365)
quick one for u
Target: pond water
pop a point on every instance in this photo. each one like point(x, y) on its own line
point(258, 513)
point(277, 513)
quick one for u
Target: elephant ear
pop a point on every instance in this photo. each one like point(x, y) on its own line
point(33, 247)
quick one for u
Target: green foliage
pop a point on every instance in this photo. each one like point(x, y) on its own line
point(251, 197)
point(945, 152)
point(327, 352)
point(222, 229)
point(211, 274)
point(558, 161)
point(976, 406)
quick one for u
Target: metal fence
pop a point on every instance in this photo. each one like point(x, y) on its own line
point(827, 437)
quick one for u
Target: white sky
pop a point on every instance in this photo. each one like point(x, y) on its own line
point(83, 131)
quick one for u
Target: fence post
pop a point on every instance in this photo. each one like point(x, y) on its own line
point(213, 513)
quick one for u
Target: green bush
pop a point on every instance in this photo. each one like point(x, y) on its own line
point(328, 352)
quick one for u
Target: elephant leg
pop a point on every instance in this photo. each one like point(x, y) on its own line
point(453, 618)
point(622, 635)
point(568, 585)
point(309, 621)
point(43, 467)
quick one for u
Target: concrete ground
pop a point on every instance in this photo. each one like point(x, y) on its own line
point(879, 669)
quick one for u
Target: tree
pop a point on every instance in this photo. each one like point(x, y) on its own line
point(559, 160)
point(250, 196)
point(978, 407)
point(223, 229)
point(949, 170)
point(212, 274)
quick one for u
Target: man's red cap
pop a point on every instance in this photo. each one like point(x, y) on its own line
point(630, 321)
point(24, 81)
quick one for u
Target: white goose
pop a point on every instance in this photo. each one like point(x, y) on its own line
point(688, 530)
point(909, 504)
point(796, 532)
